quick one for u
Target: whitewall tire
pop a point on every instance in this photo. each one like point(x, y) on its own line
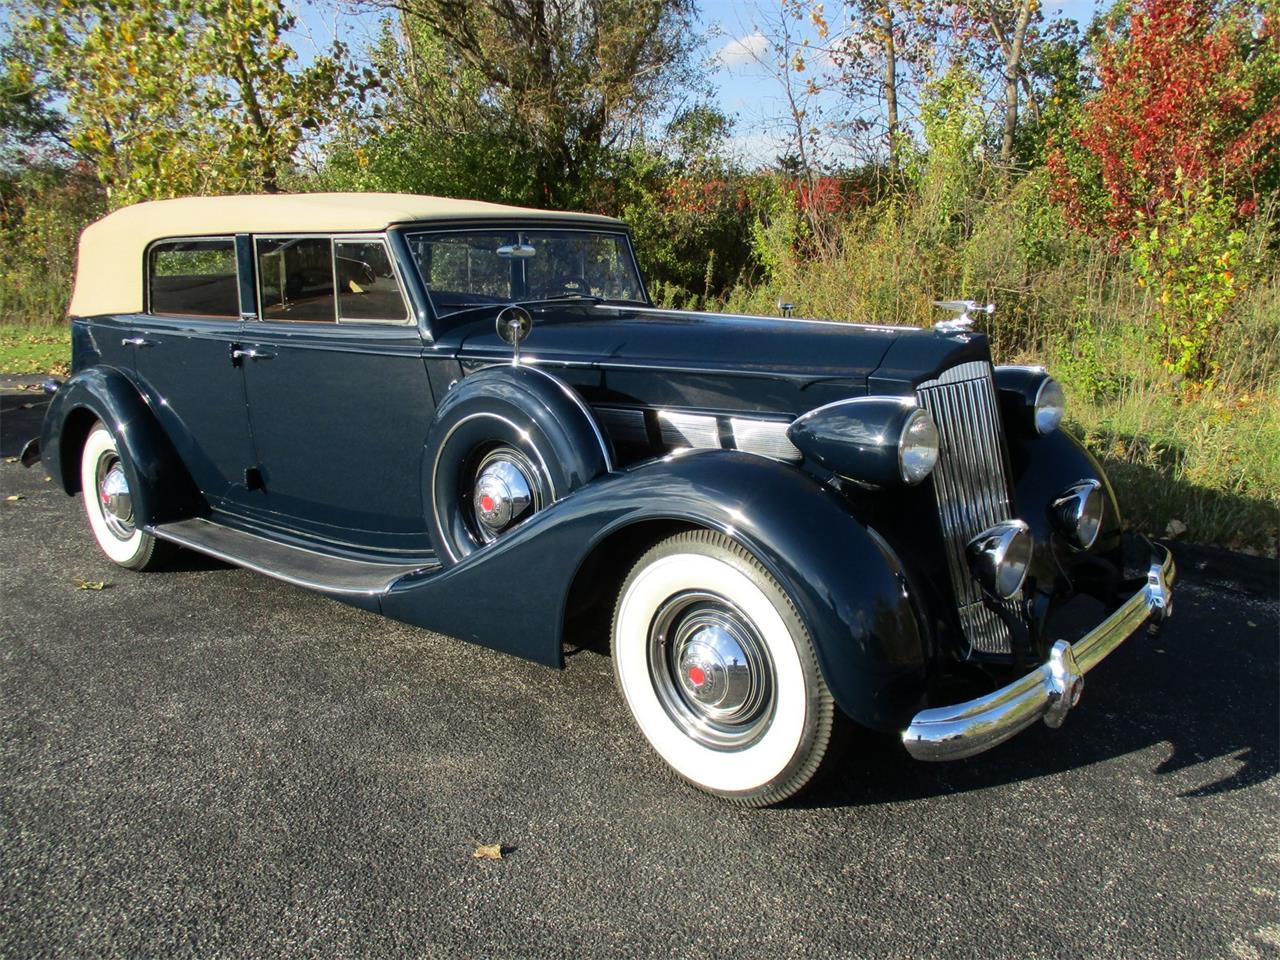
point(108, 504)
point(719, 671)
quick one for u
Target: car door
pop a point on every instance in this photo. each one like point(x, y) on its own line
point(339, 397)
point(182, 359)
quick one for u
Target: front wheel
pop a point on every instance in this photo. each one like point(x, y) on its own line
point(108, 502)
point(719, 672)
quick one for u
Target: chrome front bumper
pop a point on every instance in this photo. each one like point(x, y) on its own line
point(964, 729)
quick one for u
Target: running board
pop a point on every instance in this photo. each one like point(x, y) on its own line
point(296, 565)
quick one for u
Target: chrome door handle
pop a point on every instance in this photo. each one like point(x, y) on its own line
point(137, 342)
point(250, 353)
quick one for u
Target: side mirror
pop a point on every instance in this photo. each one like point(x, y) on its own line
point(514, 324)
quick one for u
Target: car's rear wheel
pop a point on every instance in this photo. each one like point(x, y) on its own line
point(718, 669)
point(108, 503)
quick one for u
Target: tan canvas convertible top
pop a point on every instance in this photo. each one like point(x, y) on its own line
point(109, 271)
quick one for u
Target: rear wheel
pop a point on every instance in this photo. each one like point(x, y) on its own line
point(108, 503)
point(719, 672)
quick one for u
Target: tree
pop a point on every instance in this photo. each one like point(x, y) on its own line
point(569, 79)
point(884, 55)
point(1171, 157)
point(165, 97)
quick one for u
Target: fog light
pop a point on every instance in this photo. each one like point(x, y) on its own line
point(1077, 513)
point(999, 557)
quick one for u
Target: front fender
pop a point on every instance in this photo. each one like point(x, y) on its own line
point(1043, 467)
point(162, 490)
point(847, 584)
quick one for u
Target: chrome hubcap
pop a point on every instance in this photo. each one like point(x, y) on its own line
point(114, 497)
point(503, 492)
point(711, 670)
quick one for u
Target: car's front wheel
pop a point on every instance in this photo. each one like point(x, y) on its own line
point(108, 502)
point(719, 671)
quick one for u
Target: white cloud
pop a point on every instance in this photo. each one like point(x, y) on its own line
point(748, 49)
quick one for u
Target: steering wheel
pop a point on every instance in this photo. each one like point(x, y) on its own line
point(570, 283)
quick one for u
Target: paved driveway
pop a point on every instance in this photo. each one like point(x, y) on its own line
point(207, 762)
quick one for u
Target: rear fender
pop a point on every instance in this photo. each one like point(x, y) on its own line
point(847, 584)
point(161, 487)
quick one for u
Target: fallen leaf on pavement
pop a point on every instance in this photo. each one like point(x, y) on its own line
point(91, 585)
point(489, 851)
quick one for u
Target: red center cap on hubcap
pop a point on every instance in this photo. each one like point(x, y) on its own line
point(697, 676)
point(486, 503)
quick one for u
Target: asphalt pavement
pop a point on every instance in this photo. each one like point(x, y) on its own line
point(205, 762)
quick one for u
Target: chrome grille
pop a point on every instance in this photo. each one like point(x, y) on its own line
point(970, 485)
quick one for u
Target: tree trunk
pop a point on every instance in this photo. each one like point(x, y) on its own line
point(891, 90)
point(1012, 75)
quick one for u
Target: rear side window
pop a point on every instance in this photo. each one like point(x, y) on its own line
point(193, 278)
point(368, 290)
point(295, 279)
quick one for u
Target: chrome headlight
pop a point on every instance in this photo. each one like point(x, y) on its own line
point(999, 557)
point(1050, 404)
point(1077, 513)
point(918, 446)
point(1030, 398)
point(875, 441)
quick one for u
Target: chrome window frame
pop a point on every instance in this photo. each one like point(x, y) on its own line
point(410, 318)
point(146, 278)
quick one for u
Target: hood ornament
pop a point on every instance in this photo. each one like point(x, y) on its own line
point(965, 310)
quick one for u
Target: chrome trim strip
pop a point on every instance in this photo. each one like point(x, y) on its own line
point(1050, 691)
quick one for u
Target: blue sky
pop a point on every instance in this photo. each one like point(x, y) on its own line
point(735, 41)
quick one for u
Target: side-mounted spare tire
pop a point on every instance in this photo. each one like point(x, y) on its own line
point(506, 442)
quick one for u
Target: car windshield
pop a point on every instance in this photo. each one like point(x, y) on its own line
point(466, 269)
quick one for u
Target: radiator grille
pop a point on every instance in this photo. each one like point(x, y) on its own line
point(971, 486)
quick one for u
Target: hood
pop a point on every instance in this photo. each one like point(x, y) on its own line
point(714, 362)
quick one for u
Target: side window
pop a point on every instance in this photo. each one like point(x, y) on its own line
point(193, 278)
point(367, 286)
point(295, 279)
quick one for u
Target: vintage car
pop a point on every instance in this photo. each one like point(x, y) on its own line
point(471, 417)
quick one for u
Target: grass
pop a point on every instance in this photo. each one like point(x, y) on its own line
point(1203, 468)
point(35, 349)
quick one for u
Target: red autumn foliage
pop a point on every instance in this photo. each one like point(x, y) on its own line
point(1181, 103)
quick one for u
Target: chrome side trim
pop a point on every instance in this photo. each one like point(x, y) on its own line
point(765, 438)
point(1050, 691)
point(697, 430)
point(626, 425)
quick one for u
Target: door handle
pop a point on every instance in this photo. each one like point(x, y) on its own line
point(137, 342)
point(239, 354)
